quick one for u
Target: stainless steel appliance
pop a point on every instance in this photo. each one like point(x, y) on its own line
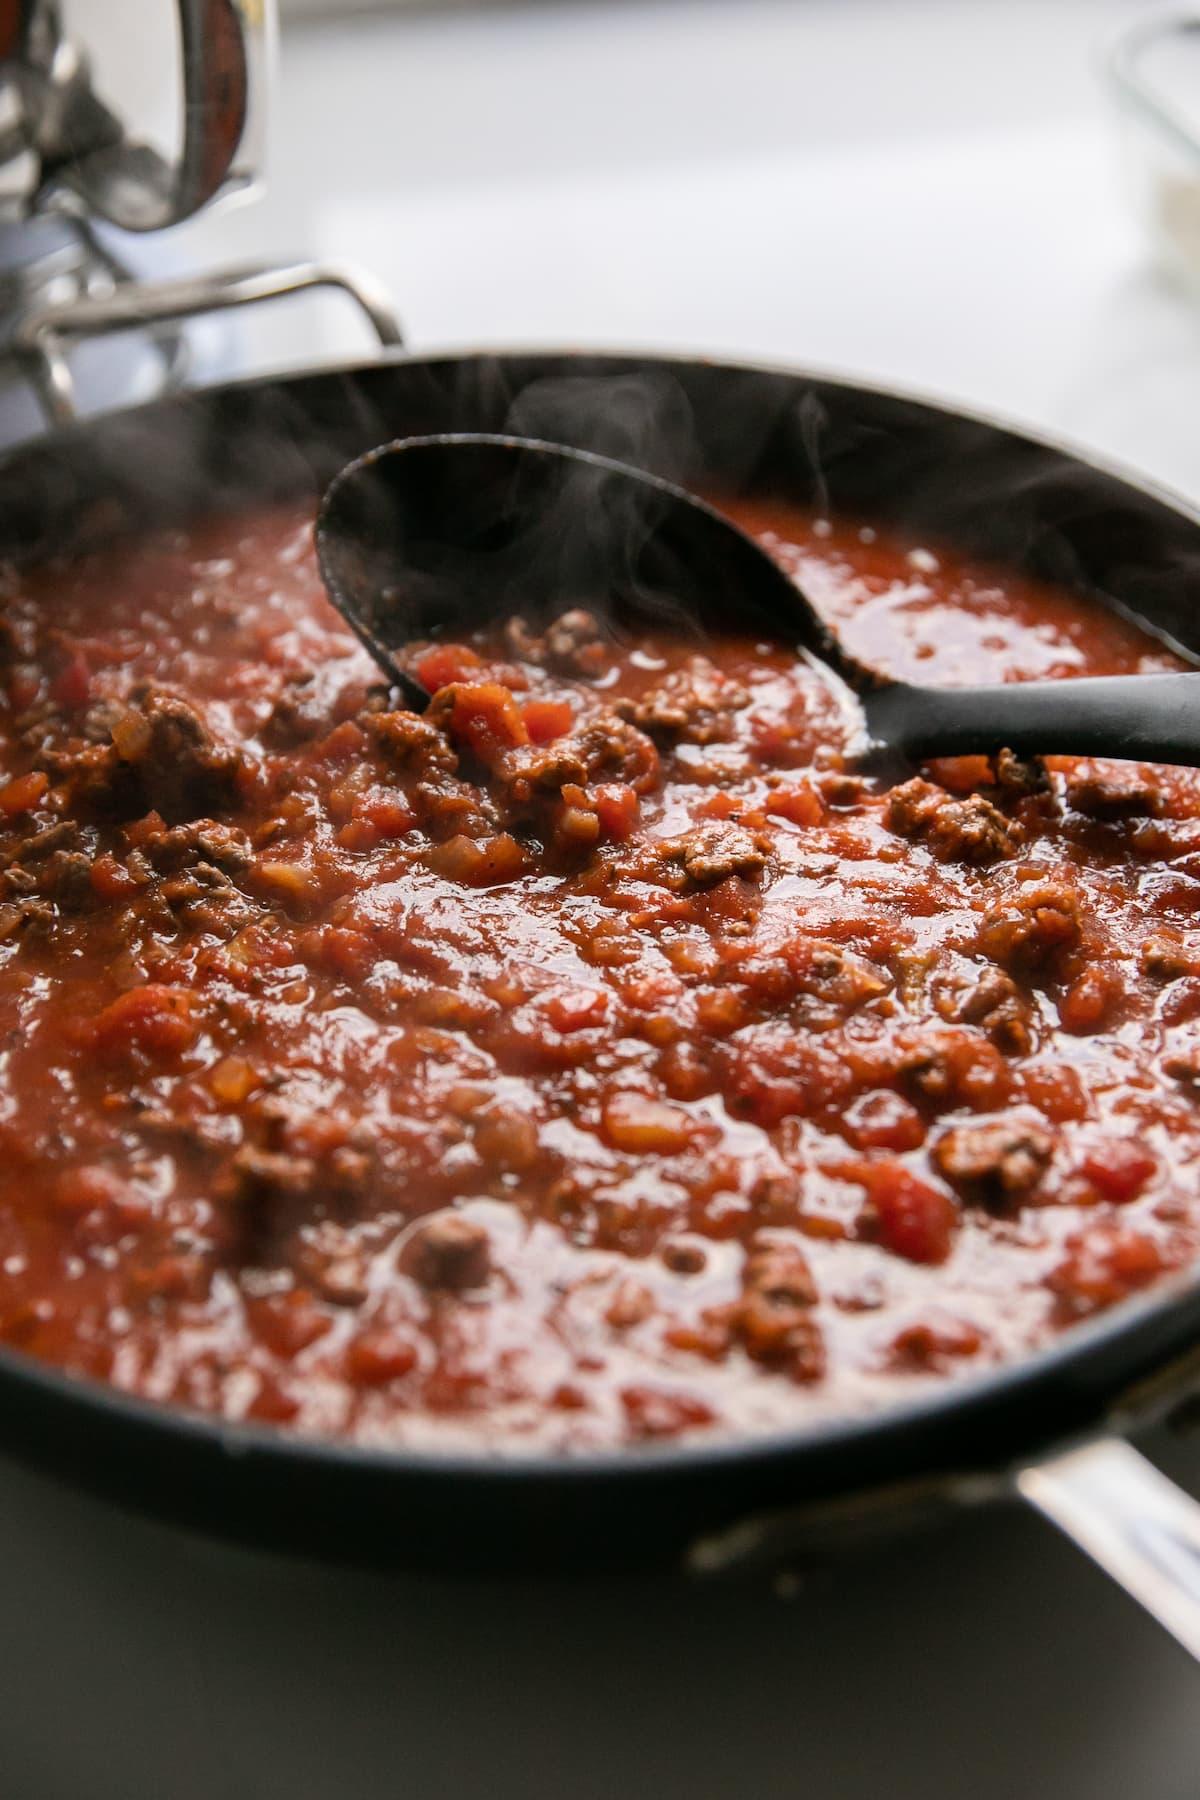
point(111, 125)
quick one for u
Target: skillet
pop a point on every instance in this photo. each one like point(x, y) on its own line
point(1047, 1427)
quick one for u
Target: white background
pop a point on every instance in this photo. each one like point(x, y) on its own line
point(929, 191)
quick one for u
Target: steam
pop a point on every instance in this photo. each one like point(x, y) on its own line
point(643, 419)
point(610, 546)
point(812, 418)
point(590, 546)
point(821, 444)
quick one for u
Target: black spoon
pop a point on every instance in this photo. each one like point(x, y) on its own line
point(429, 537)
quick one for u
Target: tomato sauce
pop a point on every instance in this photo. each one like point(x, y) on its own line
point(598, 1058)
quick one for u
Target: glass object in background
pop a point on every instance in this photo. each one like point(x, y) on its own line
point(1155, 71)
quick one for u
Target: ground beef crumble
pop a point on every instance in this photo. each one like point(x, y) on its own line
point(694, 705)
point(970, 830)
point(711, 852)
point(995, 1161)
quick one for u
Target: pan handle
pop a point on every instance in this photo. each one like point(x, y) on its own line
point(41, 338)
point(1132, 1521)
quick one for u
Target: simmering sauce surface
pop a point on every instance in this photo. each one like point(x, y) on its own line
point(596, 1059)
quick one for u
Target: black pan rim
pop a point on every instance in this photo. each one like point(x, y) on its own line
point(944, 1405)
point(632, 359)
point(948, 1402)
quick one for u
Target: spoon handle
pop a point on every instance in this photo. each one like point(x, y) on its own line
point(1145, 718)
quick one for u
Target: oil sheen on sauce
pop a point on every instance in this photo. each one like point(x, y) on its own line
point(598, 1059)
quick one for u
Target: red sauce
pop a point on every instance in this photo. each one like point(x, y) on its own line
point(597, 1059)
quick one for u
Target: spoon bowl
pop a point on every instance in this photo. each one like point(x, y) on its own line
point(430, 537)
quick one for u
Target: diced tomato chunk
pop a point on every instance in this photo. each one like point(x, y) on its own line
point(800, 805)
point(111, 880)
point(154, 1019)
point(721, 805)
point(1091, 1000)
point(72, 686)
point(546, 720)
point(480, 862)
point(176, 1276)
point(960, 774)
point(769, 1074)
point(507, 1140)
point(378, 1355)
point(655, 1413)
point(289, 1323)
point(349, 953)
point(566, 1397)
point(389, 812)
point(779, 743)
point(1103, 1265)
point(1181, 1002)
point(294, 884)
point(885, 1121)
point(934, 1343)
point(359, 835)
point(906, 1215)
point(345, 741)
point(142, 831)
point(234, 1080)
point(272, 1404)
point(1056, 1090)
point(445, 663)
point(1119, 1169)
point(645, 1127)
point(23, 793)
point(720, 1010)
point(617, 810)
point(486, 719)
point(575, 1009)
